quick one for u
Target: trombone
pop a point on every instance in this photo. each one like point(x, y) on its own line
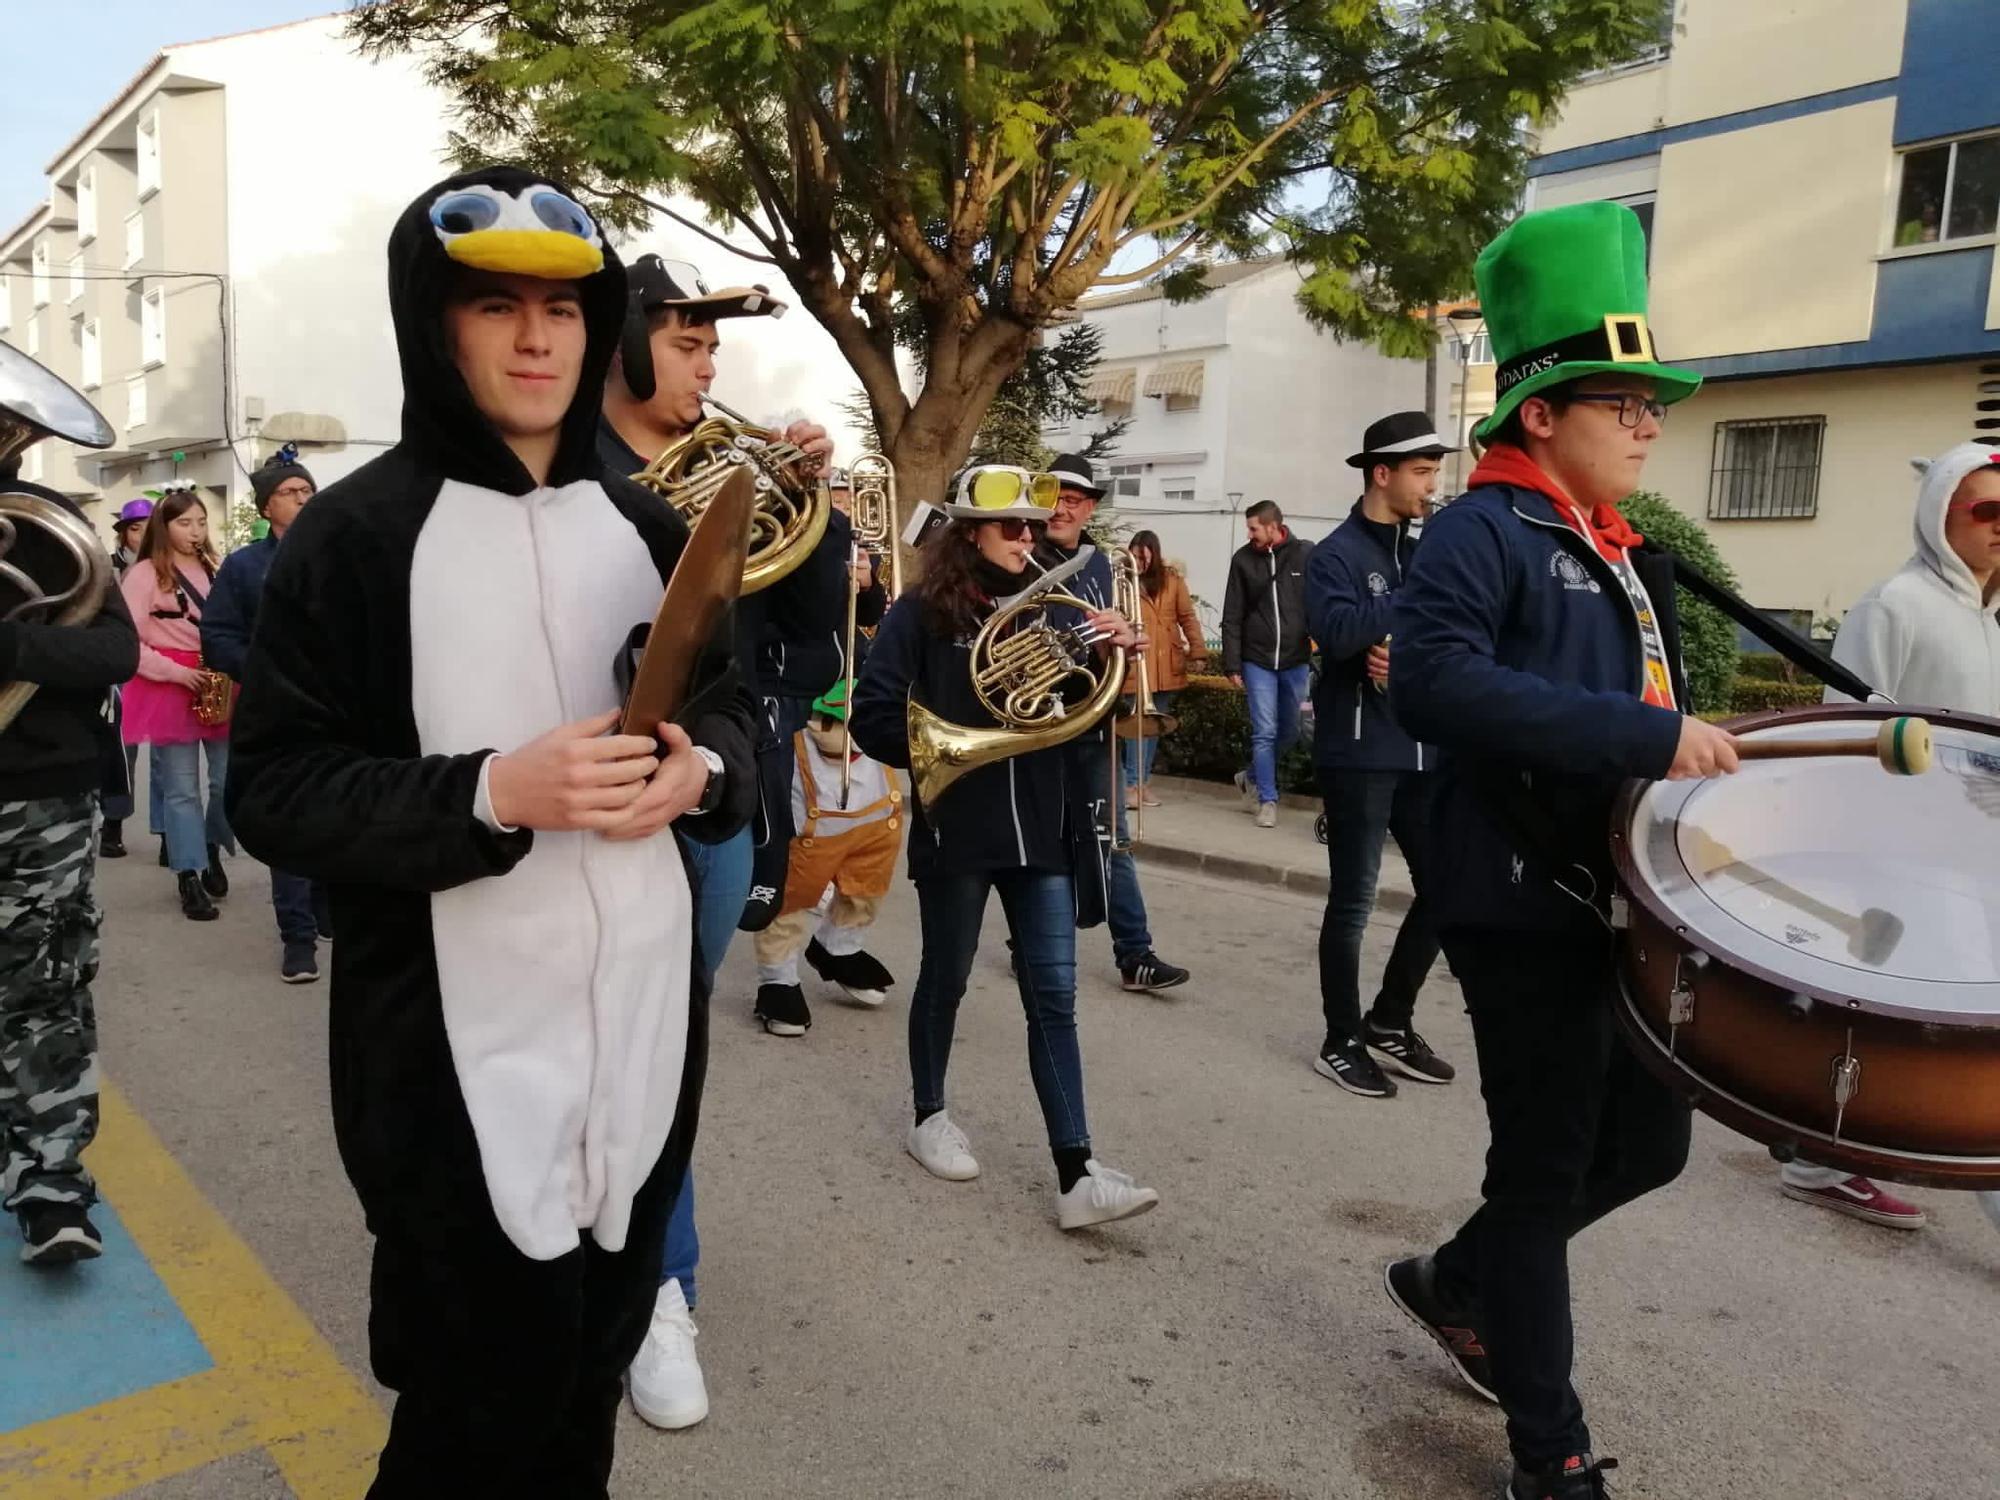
point(872, 509)
point(1143, 721)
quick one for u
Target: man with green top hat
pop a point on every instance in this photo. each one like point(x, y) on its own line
point(1537, 647)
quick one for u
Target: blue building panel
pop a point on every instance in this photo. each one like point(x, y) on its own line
point(1949, 51)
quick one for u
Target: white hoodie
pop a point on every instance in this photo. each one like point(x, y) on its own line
point(1924, 635)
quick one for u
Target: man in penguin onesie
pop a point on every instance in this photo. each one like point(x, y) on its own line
point(518, 1034)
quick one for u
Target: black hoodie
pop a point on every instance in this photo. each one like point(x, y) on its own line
point(328, 777)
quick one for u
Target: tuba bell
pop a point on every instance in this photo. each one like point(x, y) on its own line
point(1021, 662)
point(53, 568)
point(792, 505)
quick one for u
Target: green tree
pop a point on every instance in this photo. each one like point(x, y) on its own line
point(1708, 637)
point(953, 175)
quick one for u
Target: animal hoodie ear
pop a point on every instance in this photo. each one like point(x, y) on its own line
point(1921, 465)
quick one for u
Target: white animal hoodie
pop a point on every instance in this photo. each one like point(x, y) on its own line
point(1924, 635)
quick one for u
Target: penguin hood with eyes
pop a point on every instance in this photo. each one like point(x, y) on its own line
point(496, 219)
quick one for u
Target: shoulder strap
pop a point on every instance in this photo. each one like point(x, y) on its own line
point(1782, 639)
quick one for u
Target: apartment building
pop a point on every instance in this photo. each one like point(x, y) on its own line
point(1232, 399)
point(1820, 180)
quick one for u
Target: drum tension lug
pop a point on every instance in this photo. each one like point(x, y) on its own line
point(1680, 999)
point(1621, 914)
point(1798, 1006)
point(1846, 1082)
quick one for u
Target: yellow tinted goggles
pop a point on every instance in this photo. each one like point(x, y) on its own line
point(1001, 487)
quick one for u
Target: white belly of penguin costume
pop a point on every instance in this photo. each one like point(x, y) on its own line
point(565, 984)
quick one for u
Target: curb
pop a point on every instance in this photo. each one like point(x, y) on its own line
point(1249, 871)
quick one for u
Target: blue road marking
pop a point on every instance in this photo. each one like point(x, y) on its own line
point(74, 1337)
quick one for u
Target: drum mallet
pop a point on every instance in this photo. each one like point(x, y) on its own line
point(1903, 746)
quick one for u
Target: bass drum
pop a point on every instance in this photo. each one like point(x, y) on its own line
point(1811, 947)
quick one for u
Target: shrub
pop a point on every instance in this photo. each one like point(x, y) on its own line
point(1766, 666)
point(1708, 636)
point(1756, 694)
point(1213, 741)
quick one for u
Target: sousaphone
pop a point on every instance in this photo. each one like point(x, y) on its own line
point(54, 570)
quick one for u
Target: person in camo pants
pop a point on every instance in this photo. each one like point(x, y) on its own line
point(49, 774)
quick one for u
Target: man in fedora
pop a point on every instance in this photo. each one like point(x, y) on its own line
point(1374, 779)
point(1139, 967)
point(1537, 648)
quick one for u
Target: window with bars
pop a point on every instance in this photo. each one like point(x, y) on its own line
point(1766, 470)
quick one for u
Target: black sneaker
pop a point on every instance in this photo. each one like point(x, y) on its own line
point(1349, 1065)
point(1571, 1478)
point(783, 1010)
point(111, 842)
point(58, 1234)
point(214, 880)
point(300, 964)
point(1151, 972)
point(1412, 1286)
point(163, 852)
point(860, 976)
point(1409, 1054)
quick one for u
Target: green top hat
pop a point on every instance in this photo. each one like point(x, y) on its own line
point(1563, 292)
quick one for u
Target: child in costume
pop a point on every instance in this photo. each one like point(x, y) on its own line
point(849, 846)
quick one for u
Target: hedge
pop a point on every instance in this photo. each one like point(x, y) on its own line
point(1213, 741)
point(1752, 695)
point(1708, 636)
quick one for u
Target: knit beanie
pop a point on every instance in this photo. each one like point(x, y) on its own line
point(282, 465)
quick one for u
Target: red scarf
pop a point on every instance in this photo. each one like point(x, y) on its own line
point(1609, 532)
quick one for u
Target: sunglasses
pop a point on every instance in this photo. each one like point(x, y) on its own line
point(1013, 528)
point(1632, 410)
point(1984, 512)
point(1001, 487)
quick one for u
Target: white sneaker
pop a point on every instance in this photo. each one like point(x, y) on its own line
point(942, 1149)
point(869, 998)
point(1267, 815)
point(1247, 789)
point(1101, 1195)
point(667, 1388)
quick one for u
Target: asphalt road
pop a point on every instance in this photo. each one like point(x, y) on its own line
point(869, 1331)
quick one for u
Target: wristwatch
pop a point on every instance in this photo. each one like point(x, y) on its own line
point(711, 795)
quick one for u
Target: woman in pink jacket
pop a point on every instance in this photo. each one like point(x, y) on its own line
point(166, 588)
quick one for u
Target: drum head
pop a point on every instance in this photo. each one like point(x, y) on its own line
point(1829, 877)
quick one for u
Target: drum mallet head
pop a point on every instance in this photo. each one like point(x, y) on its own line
point(1904, 746)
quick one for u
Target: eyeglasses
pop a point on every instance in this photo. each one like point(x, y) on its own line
point(295, 490)
point(1013, 528)
point(1632, 410)
point(1983, 512)
point(1001, 486)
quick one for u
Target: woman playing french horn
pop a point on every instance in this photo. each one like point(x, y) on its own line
point(1016, 823)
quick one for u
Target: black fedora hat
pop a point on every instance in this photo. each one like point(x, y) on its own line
point(1402, 434)
point(1077, 472)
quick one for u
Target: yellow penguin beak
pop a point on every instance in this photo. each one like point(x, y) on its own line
point(546, 253)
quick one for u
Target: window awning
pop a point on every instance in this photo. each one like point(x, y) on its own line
point(1112, 387)
point(1178, 378)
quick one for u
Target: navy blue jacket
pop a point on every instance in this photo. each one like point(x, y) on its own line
point(1351, 581)
point(231, 612)
point(1517, 654)
point(1028, 811)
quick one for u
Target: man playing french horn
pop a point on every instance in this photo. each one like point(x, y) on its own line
point(987, 696)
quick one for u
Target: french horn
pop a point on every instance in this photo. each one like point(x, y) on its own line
point(53, 568)
point(792, 505)
point(1021, 663)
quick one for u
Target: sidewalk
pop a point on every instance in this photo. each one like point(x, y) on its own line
point(1203, 826)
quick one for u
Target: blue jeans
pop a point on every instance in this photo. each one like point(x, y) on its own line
point(1041, 916)
point(1129, 751)
point(121, 808)
point(294, 900)
point(722, 875)
point(190, 829)
point(1274, 721)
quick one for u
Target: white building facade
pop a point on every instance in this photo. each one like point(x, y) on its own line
point(210, 268)
point(1233, 399)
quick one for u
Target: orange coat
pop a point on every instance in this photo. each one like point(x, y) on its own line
point(1174, 632)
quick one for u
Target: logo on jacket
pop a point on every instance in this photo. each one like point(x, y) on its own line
point(1377, 584)
point(1571, 573)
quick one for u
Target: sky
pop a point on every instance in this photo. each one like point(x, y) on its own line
point(67, 58)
